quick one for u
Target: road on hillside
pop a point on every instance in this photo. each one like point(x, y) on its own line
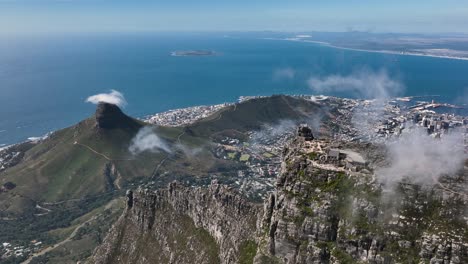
point(68, 239)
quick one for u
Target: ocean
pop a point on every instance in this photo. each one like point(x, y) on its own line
point(45, 80)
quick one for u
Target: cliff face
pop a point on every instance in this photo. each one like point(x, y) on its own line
point(182, 225)
point(329, 216)
point(109, 116)
point(305, 217)
point(318, 214)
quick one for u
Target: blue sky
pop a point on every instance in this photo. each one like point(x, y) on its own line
point(429, 16)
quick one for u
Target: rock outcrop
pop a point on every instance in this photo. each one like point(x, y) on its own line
point(318, 214)
point(182, 225)
point(109, 116)
point(305, 132)
point(328, 216)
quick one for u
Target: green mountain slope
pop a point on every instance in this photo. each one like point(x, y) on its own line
point(92, 157)
point(254, 113)
point(81, 168)
point(75, 162)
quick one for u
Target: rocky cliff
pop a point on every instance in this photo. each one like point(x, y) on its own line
point(319, 213)
point(109, 116)
point(182, 225)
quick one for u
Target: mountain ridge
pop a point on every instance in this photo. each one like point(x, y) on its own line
point(55, 181)
point(315, 215)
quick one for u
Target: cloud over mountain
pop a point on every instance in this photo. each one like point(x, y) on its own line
point(422, 159)
point(114, 97)
point(148, 140)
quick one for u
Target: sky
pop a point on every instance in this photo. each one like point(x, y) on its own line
point(415, 16)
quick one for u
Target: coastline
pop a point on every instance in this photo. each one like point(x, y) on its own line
point(326, 44)
point(208, 109)
point(33, 140)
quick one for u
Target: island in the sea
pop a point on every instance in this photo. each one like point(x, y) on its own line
point(193, 53)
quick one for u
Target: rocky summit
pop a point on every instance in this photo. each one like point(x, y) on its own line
point(109, 116)
point(318, 213)
point(267, 180)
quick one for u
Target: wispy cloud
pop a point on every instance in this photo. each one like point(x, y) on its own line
point(114, 97)
point(189, 151)
point(421, 159)
point(271, 131)
point(364, 83)
point(284, 73)
point(147, 140)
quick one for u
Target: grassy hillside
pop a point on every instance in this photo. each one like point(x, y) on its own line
point(82, 167)
point(85, 159)
point(71, 164)
point(253, 114)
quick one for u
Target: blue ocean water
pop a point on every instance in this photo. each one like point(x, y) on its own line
point(44, 81)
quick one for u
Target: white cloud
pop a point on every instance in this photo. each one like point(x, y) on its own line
point(114, 97)
point(270, 131)
point(364, 83)
point(147, 140)
point(422, 159)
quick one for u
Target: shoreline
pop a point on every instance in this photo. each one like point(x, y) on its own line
point(147, 118)
point(326, 44)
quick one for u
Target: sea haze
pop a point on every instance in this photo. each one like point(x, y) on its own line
point(44, 81)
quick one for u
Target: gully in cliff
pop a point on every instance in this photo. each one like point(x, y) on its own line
point(129, 195)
